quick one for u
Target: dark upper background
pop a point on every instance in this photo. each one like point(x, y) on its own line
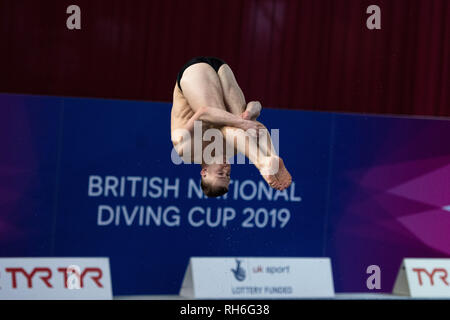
point(308, 54)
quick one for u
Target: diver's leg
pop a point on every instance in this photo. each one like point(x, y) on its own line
point(201, 87)
point(234, 97)
point(262, 154)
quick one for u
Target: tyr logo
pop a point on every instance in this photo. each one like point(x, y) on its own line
point(440, 272)
point(46, 274)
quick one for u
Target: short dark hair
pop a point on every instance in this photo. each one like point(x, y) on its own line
point(213, 192)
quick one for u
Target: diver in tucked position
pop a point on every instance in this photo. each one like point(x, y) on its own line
point(207, 91)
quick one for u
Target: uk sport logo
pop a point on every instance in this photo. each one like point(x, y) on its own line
point(239, 272)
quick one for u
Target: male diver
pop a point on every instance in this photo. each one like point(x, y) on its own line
point(206, 91)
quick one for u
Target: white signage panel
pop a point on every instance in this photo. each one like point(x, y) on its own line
point(236, 278)
point(55, 279)
point(424, 278)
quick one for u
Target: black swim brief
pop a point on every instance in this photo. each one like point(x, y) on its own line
point(214, 62)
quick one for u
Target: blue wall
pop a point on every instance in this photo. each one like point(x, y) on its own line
point(52, 147)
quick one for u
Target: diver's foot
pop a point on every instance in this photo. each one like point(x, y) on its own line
point(276, 174)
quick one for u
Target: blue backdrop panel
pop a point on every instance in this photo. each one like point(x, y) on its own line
point(29, 138)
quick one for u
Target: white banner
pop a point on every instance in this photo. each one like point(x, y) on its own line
point(55, 279)
point(424, 278)
point(235, 278)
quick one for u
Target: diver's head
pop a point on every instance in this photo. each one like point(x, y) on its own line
point(215, 179)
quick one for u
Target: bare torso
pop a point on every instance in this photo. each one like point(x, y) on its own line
point(181, 111)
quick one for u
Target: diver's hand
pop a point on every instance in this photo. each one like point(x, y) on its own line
point(251, 127)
